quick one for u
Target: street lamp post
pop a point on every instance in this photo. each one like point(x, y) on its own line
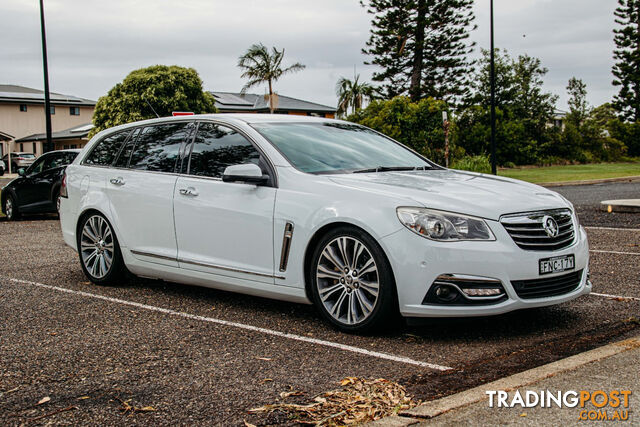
point(47, 101)
point(492, 77)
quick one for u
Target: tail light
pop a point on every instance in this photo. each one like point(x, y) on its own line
point(63, 187)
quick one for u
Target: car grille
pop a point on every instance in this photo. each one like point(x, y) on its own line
point(547, 287)
point(527, 230)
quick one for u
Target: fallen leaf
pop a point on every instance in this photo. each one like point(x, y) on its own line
point(266, 380)
point(53, 333)
point(348, 380)
point(246, 424)
point(286, 394)
point(524, 414)
point(263, 358)
point(146, 409)
point(84, 398)
point(43, 400)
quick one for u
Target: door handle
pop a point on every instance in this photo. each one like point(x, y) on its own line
point(190, 191)
point(117, 181)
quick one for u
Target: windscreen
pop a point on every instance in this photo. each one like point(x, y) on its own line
point(336, 147)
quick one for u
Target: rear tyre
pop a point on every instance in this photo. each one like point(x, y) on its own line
point(99, 251)
point(352, 284)
point(57, 202)
point(11, 208)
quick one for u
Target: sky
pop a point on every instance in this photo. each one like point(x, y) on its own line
point(94, 44)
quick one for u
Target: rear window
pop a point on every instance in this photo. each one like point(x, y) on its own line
point(106, 150)
point(25, 155)
point(158, 147)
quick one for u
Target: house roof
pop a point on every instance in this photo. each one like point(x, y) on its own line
point(27, 95)
point(75, 132)
point(238, 102)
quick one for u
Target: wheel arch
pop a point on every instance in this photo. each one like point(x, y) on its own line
point(318, 235)
point(87, 212)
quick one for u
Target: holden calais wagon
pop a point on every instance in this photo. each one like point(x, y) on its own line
point(317, 211)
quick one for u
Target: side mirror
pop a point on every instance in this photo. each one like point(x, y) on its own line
point(247, 173)
point(21, 171)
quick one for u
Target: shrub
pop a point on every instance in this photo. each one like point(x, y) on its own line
point(478, 163)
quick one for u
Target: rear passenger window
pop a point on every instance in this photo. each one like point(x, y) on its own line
point(106, 150)
point(216, 147)
point(157, 148)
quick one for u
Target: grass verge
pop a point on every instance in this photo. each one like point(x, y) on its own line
point(573, 172)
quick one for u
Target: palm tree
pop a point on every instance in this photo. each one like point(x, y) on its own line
point(352, 94)
point(261, 66)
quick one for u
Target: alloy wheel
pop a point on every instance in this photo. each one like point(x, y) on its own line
point(97, 246)
point(347, 280)
point(8, 208)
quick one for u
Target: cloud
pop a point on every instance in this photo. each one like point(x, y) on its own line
point(94, 44)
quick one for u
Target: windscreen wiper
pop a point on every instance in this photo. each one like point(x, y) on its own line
point(391, 168)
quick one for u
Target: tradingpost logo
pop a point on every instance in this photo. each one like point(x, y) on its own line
point(593, 405)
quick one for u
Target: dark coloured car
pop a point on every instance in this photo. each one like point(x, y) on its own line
point(37, 189)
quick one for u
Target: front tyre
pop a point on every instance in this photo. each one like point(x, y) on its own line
point(11, 208)
point(99, 251)
point(351, 281)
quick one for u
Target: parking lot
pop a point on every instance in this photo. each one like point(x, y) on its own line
point(155, 352)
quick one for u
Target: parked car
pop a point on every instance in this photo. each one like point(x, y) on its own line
point(1, 168)
point(19, 160)
point(316, 210)
point(37, 188)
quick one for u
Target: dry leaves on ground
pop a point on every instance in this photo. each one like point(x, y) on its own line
point(358, 401)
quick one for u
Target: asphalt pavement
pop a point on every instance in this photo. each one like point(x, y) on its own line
point(150, 352)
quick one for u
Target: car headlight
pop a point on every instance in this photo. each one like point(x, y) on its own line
point(444, 226)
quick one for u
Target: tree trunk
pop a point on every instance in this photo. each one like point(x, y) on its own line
point(418, 54)
point(270, 97)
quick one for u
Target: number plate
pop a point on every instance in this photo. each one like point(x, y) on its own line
point(556, 264)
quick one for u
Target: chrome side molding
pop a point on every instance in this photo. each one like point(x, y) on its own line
point(204, 264)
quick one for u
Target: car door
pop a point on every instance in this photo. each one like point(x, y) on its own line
point(140, 190)
point(26, 187)
point(44, 180)
point(224, 228)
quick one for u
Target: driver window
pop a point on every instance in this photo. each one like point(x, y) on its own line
point(216, 147)
point(36, 167)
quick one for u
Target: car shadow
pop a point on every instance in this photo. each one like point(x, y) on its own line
point(233, 306)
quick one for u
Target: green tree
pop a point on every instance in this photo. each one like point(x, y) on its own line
point(260, 66)
point(422, 46)
point(578, 106)
point(523, 110)
point(417, 125)
point(161, 88)
point(627, 60)
point(352, 94)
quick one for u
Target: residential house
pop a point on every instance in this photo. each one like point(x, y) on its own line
point(22, 115)
point(230, 102)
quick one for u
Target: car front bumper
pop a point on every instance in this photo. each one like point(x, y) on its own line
point(417, 262)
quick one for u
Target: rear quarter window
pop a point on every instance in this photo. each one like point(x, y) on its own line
point(105, 152)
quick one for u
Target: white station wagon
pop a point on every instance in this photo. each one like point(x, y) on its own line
point(318, 211)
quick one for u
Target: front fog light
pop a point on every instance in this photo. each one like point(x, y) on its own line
point(474, 292)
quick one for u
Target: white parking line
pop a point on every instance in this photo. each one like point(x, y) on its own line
point(614, 252)
point(612, 228)
point(295, 337)
point(615, 296)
